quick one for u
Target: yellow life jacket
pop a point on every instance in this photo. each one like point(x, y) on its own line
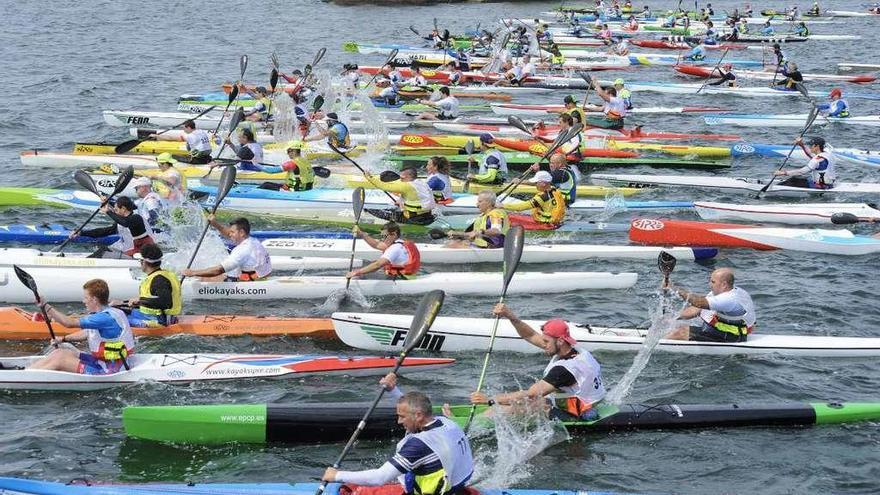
point(176, 299)
point(304, 175)
point(549, 207)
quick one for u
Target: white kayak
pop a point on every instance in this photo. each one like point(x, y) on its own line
point(732, 184)
point(32, 258)
point(790, 213)
point(745, 91)
point(188, 368)
point(438, 253)
point(852, 66)
point(849, 13)
point(386, 332)
point(825, 241)
point(544, 110)
point(66, 286)
point(786, 120)
point(136, 118)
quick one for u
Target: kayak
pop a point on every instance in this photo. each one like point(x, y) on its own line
point(849, 13)
point(671, 45)
point(729, 235)
point(189, 368)
point(542, 110)
point(748, 38)
point(551, 132)
point(786, 120)
point(17, 324)
point(746, 91)
point(438, 253)
point(23, 486)
point(861, 157)
point(66, 286)
point(129, 118)
point(850, 66)
point(648, 59)
point(695, 70)
point(325, 422)
point(672, 149)
point(386, 332)
point(732, 184)
point(790, 213)
point(521, 160)
point(57, 233)
point(31, 258)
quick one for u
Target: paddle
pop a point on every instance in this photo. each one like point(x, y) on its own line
point(589, 80)
point(513, 246)
point(273, 82)
point(131, 144)
point(843, 218)
point(391, 57)
point(519, 124)
point(411, 28)
point(343, 155)
point(706, 81)
point(242, 64)
point(357, 205)
point(810, 119)
point(236, 119)
point(227, 180)
point(85, 180)
point(428, 308)
point(469, 149)
point(666, 263)
point(561, 139)
point(31, 284)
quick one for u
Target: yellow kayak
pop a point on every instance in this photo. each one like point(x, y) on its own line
point(672, 149)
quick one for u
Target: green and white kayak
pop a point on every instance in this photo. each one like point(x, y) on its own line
point(323, 422)
point(522, 160)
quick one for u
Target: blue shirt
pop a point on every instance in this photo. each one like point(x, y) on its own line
point(103, 323)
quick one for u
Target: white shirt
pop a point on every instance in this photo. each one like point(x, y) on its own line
point(396, 254)
point(733, 304)
point(248, 256)
point(152, 202)
point(617, 106)
point(198, 141)
point(448, 106)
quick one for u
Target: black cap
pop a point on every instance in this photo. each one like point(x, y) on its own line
point(570, 99)
point(332, 116)
point(816, 141)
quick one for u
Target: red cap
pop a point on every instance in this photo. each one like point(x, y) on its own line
point(835, 92)
point(558, 329)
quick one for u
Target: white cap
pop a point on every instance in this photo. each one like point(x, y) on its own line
point(542, 176)
point(142, 181)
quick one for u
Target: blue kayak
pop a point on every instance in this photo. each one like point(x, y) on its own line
point(26, 486)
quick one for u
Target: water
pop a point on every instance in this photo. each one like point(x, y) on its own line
point(66, 63)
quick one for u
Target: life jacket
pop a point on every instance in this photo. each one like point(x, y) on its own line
point(569, 187)
point(577, 114)
point(484, 223)
point(557, 59)
point(267, 109)
point(411, 267)
point(588, 387)
point(549, 207)
point(443, 196)
point(452, 448)
point(303, 176)
point(420, 203)
point(129, 243)
point(823, 176)
point(113, 348)
point(176, 299)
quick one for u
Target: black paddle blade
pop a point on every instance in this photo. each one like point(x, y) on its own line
point(307, 71)
point(321, 172)
point(811, 117)
point(124, 178)
point(392, 55)
point(242, 64)
point(389, 176)
point(586, 77)
point(233, 94)
point(666, 263)
point(317, 103)
point(469, 147)
point(437, 234)
point(126, 146)
point(236, 119)
point(319, 56)
point(435, 23)
point(513, 248)
point(518, 123)
point(273, 80)
point(411, 28)
point(802, 89)
point(843, 218)
point(274, 59)
point(427, 311)
point(227, 180)
point(85, 180)
point(25, 279)
point(358, 196)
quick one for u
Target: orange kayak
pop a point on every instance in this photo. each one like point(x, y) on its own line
point(18, 324)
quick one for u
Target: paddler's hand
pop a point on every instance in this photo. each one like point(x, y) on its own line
point(799, 140)
point(389, 381)
point(188, 272)
point(503, 311)
point(104, 208)
point(357, 232)
point(470, 176)
point(780, 173)
point(73, 235)
point(329, 475)
point(352, 274)
point(479, 398)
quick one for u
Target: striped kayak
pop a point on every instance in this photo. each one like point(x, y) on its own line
point(325, 422)
point(786, 120)
point(17, 324)
point(861, 157)
point(522, 160)
point(672, 149)
point(850, 66)
point(753, 92)
point(648, 59)
point(733, 184)
point(687, 233)
point(696, 70)
point(66, 286)
point(438, 253)
point(542, 110)
point(190, 368)
point(23, 486)
point(57, 233)
point(386, 332)
point(679, 45)
point(787, 213)
point(31, 258)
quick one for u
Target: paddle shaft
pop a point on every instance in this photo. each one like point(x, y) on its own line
point(784, 162)
point(473, 410)
point(343, 155)
point(706, 81)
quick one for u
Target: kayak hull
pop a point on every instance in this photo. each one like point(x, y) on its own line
point(734, 184)
point(791, 213)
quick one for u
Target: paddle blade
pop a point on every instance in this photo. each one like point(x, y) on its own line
point(319, 56)
point(85, 180)
point(124, 178)
point(586, 77)
point(814, 112)
point(274, 59)
point(469, 147)
point(392, 55)
point(513, 248)
point(25, 279)
point(389, 176)
point(518, 123)
point(227, 180)
point(321, 172)
point(233, 94)
point(273, 80)
point(427, 311)
point(666, 263)
point(126, 146)
point(843, 218)
point(802, 89)
point(317, 103)
point(358, 196)
point(236, 119)
point(411, 28)
point(437, 234)
point(242, 64)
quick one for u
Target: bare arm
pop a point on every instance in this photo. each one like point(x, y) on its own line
point(525, 331)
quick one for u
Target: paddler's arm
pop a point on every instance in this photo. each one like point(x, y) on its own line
point(487, 178)
point(222, 229)
point(695, 300)
point(370, 477)
point(525, 331)
point(373, 243)
point(536, 391)
point(204, 272)
point(64, 320)
point(598, 89)
point(518, 205)
point(395, 187)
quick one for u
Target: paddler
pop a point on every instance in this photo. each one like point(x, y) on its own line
point(605, 35)
point(337, 133)
point(697, 53)
point(814, 10)
point(572, 371)
point(727, 76)
point(564, 177)
point(742, 27)
point(489, 228)
point(248, 150)
point(170, 183)
point(434, 458)
point(493, 167)
point(132, 229)
point(669, 22)
point(646, 12)
point(447, 106)
point(792, 77)
point(198, 143)
point(836, 107)
point(247, 262)
point(768, 30)
point(400, 258)
point(710, 37)
point(547, 205)
point(571, 149)
point(260, 112)
point(631, 24)
point(416, 201)
point(727, 311)
point(300, 174)
point(802, 30)
point(438, 179)
point(159, 299)
point(614, 109)
point(105, 328)
point(150, 206)
point(747, 11)
point(793, 13)
point(623, 93)
point(621, 48)
point(557, 58)
point(391, 83)
point(781, 57)
point(351, 76)
point(571, 108)
point(818, 173)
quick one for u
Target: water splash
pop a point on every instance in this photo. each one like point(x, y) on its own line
point(337, 297)
point(615, 203)
point(180, 234)
point(663, 320)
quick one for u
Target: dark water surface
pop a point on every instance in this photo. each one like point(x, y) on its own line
point(65, 62)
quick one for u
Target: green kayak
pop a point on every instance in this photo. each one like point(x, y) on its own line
point(521, 160)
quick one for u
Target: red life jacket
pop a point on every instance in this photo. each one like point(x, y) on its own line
point(411, 267)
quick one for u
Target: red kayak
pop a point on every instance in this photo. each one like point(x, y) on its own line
point(700, 71)
point(686, 233)
point(672, 45)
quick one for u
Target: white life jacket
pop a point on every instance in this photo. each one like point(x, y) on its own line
point(426, 196)
point(451, 445)
point(587, 374)
point(502, 161)
point(96, 341)
point(446, 192)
